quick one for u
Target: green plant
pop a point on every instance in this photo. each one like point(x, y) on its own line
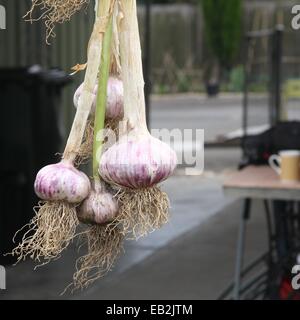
point(236, 79)
point(183, 82)
point(223, 29)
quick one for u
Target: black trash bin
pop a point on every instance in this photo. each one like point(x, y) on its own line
point(29, 139)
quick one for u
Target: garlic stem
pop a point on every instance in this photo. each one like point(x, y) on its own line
point(132, 70)
point(115, 50)
point(105, 9)
point(101, 99)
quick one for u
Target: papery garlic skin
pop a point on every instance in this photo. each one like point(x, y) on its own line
point(115, 98)
point(78, 93)
point(62, 182)
point(137, 161)
point(100, 207)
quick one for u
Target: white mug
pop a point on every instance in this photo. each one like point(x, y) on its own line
point(286, 164)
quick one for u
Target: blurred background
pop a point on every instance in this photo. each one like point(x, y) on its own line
point(217, 65)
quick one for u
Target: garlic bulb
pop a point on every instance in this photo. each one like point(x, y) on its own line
point(62, 182)
point(100, 207)
point(114, 105)
point(137, 161)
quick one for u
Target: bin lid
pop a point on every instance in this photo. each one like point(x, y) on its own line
point(53, 76)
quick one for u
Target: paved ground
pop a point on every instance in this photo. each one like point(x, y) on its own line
point(215, 115)
point(197, 265)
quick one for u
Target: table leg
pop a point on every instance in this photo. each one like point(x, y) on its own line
point(245, 214)
point(281, 229)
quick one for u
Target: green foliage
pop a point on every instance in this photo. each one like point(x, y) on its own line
point(223, 28)
point(184, 82)
point(169, 1)
point(236, 79)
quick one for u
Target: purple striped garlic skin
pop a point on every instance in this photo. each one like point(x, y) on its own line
point(98, 208)
point(115, 98)
point(62, 182)
point(137, 161)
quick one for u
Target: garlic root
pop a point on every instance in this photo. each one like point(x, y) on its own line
point(49, 232)
point(105, 243)
point(141, 211)
point(55, 11)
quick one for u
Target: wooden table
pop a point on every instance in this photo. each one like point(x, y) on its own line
point(260, 182)
point(255, 182)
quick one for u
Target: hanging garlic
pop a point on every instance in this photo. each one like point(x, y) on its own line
point(103, 237)
point(114, 106)
point(55, 221)
point(62, 182)
point(137, 161)
point(61, 185)
point(99, 207)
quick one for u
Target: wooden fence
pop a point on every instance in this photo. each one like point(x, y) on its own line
point(177, 46)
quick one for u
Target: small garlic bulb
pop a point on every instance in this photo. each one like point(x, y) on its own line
point(137, 160)
point(62, 182)
point(114, 104)
point(100, 207)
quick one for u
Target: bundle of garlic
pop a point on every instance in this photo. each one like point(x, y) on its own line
point(104, 239)
point(137, 162)
point(62, 186)
point(123, 200)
